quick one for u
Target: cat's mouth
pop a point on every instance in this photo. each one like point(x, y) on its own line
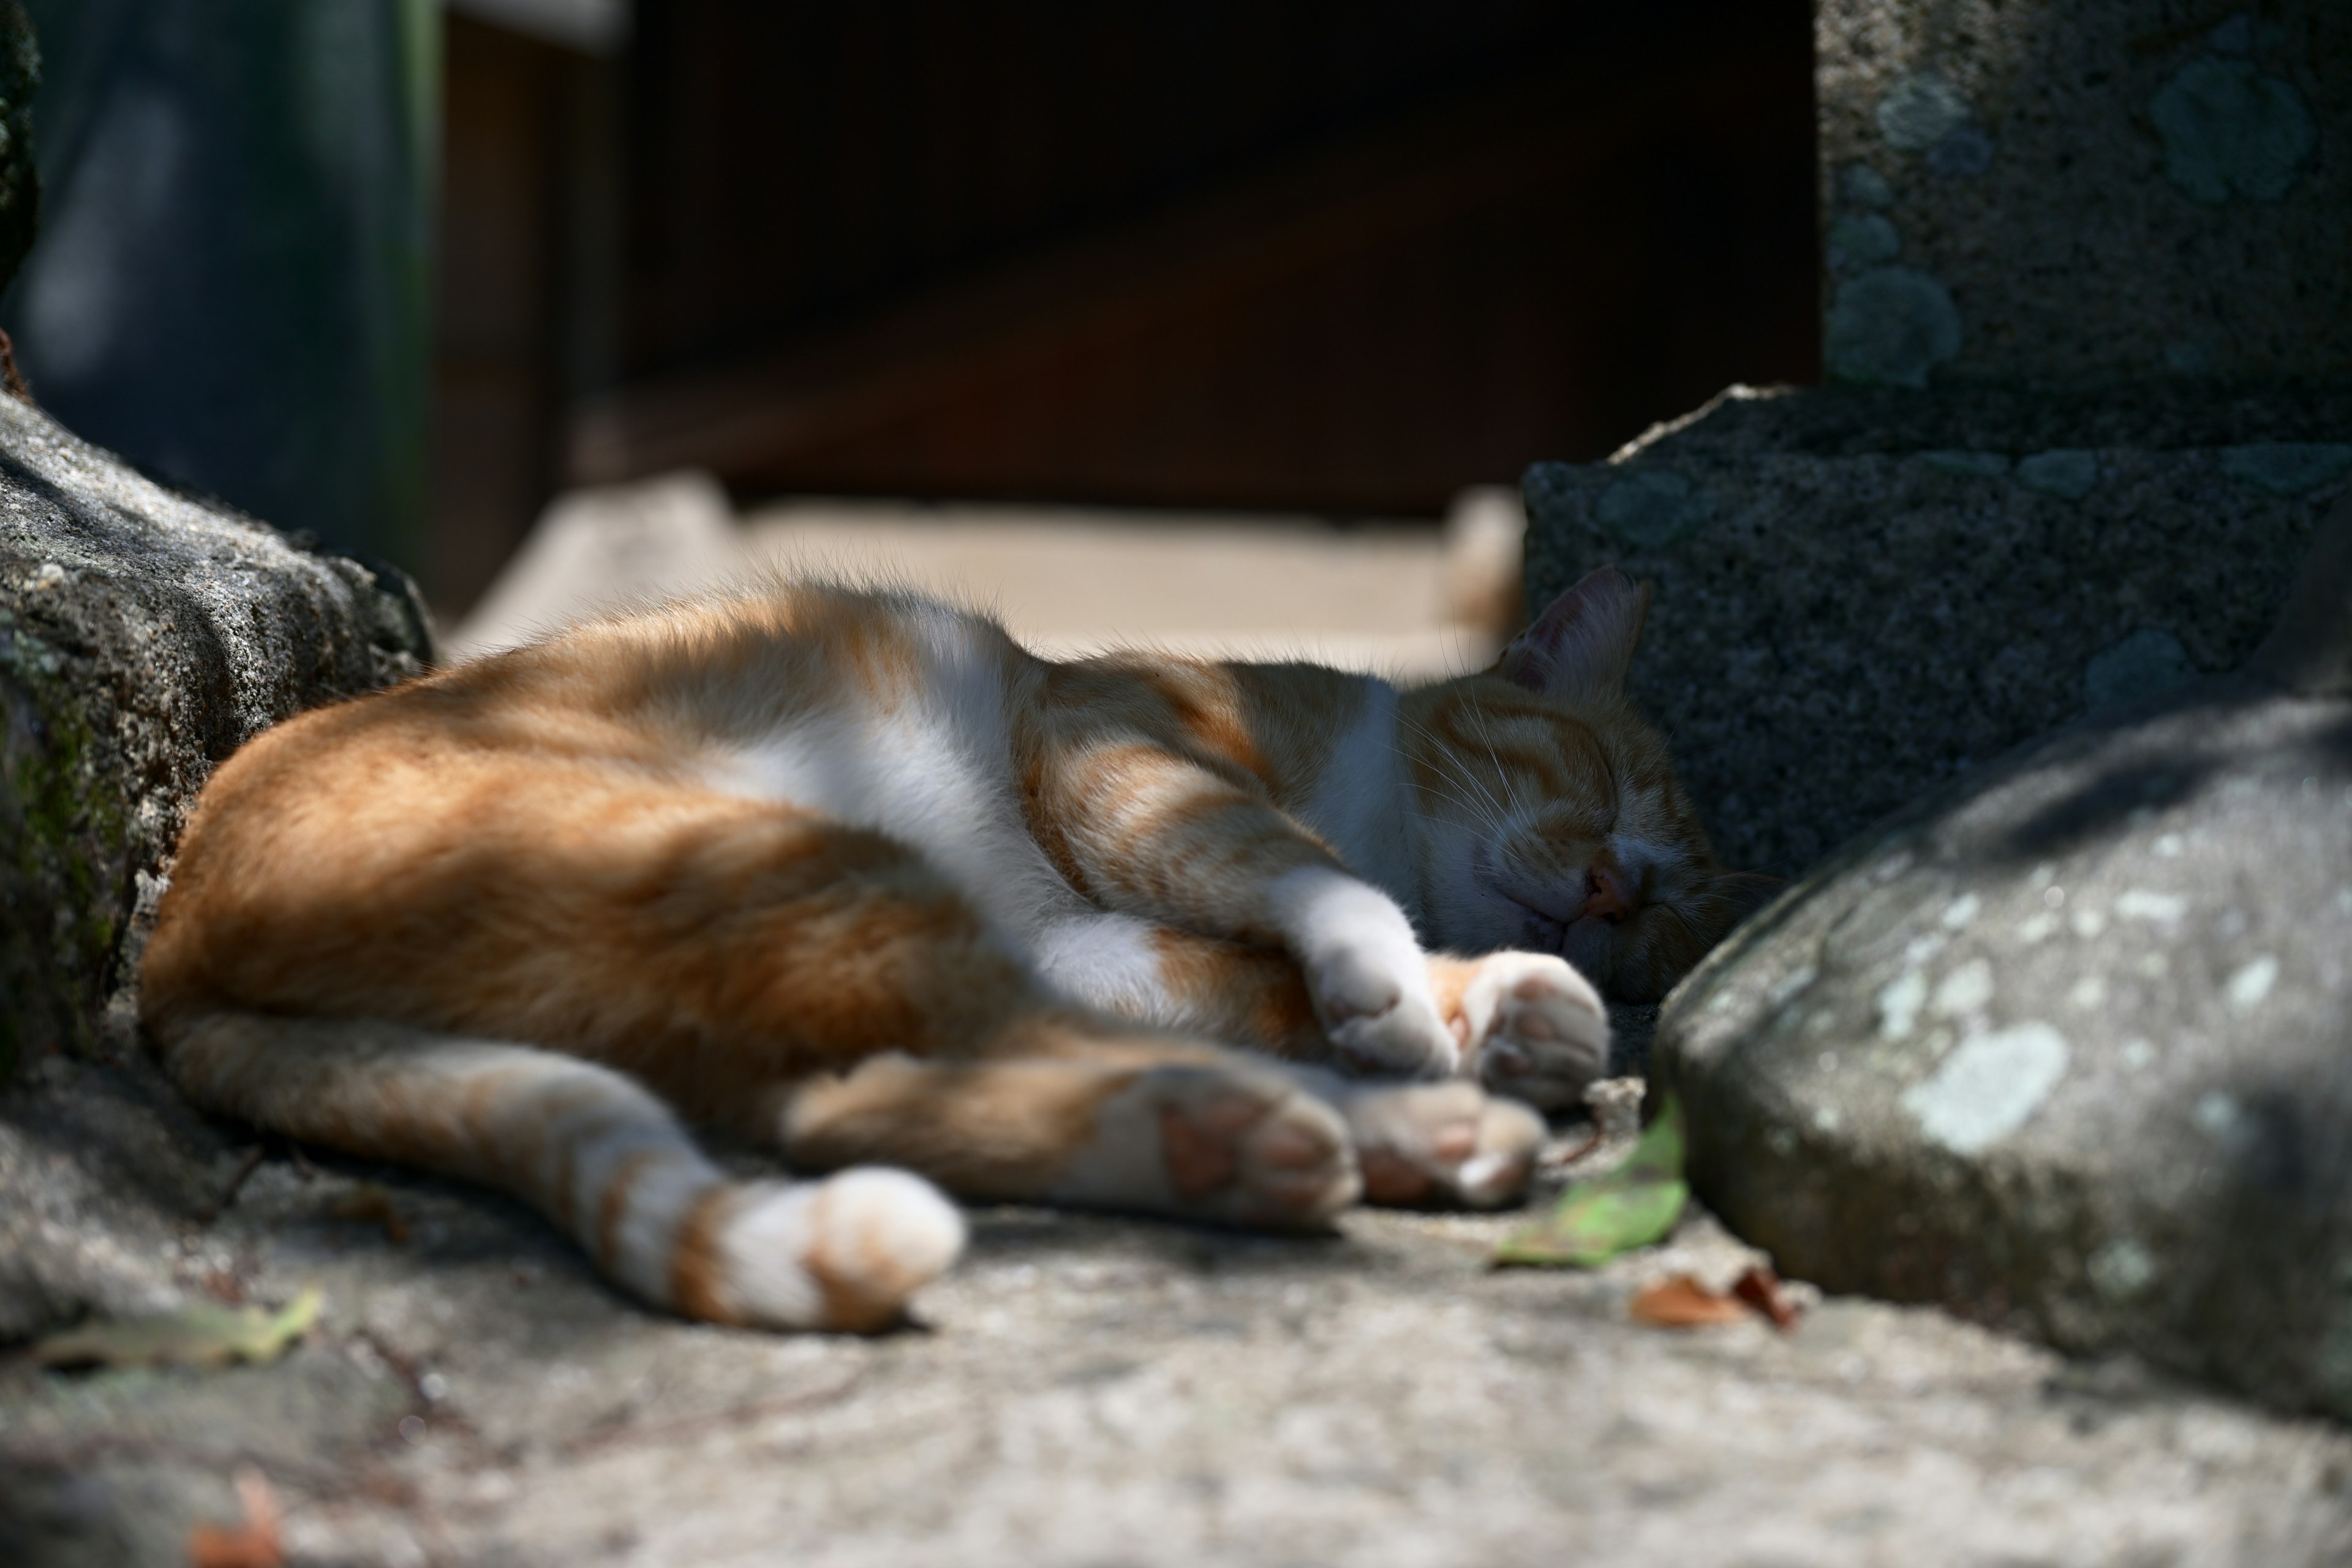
point(1545, 933)
point(1577, 924)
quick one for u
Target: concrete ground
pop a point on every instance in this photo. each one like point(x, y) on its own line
point(1082, 1391)
point(1413, 597)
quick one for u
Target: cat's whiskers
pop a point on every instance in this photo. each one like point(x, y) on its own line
point(1486, 739)
point(1490, 815)
point(1498, 816)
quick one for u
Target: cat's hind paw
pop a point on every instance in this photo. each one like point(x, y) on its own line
point(1532, 1028)
point(1441, 1145)
point(844, 1253)
point(1212, 1143)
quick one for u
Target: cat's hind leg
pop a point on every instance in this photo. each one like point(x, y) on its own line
point(591, 1150)
point(1418, 1144)
point(1063, 1109)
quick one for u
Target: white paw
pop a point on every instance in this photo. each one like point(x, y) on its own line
point(1536, 1028)
point(843, 1253)
point(1406, 1038)
point(1367, 976)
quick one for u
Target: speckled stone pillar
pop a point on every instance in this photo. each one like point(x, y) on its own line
point(2087, 321)
point(2073, 195)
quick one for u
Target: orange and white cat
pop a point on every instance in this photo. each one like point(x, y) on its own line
point(854, 874)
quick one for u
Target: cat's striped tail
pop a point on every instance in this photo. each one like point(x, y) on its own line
point(590, 1149)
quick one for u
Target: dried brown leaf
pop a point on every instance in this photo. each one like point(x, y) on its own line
point(1682, 1302)
point(253, 1541)
point(1761, 1288)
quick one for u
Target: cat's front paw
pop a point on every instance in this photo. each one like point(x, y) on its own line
point(1532, 1027)
point(1376, 1022)
point(1365, 975)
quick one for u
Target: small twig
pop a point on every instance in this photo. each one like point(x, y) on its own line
point(246, 1166)
point(1570, 1156)
point(302, 1166)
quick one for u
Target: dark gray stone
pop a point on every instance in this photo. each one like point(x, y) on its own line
point(145, 635)
point(2268, 426)
point(2104, 193)
point(1842, 624)
point(2068, 1048)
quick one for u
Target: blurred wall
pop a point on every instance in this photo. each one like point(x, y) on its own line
point(230, 284)
point(527, 309)
point(1336, 256)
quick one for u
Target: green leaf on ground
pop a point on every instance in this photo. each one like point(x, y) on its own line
point(1633, 1205)
point(202, 1335)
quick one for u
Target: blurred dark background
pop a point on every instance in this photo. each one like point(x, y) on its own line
point(1210, 253)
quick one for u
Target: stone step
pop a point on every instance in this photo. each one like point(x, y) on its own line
point(1862, 593)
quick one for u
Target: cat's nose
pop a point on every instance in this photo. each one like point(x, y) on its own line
point(1608, 895)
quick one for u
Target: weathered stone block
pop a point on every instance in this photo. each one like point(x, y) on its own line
point(2068, 1048)
point(143, 636)
point(1844, 620)
point(2076, 194)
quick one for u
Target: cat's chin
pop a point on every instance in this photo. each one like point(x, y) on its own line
point(1586, 945)
point(1539, 933)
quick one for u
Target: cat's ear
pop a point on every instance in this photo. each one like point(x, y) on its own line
point(1582, 644)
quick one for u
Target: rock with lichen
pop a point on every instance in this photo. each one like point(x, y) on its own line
point(2068, 1047)
point(145, 635)
point(2084, 196)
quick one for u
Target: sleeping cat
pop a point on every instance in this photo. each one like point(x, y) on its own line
point(854, 874)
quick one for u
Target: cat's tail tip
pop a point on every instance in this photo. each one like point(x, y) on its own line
point(845, 1253)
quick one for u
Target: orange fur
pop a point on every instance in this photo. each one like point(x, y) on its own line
point(392, 920)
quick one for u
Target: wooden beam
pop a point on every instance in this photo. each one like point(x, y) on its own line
point(758, 412)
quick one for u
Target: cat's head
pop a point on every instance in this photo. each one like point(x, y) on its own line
point(1550, 818)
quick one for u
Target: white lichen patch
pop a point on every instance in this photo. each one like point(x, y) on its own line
point(2036, 928)
point(2088, 994)
point(1899, 1003)
point(1791, 985)
point(2217, 1116)
point(1989, 1086)
point(2247, 989)
point(2135, 1055)
point(1922, 949)
point(2121, 1270)
point(1961, 911)
point(2140, 904)
point(2168, 846)
point(1964, 991)
point(2088, 923)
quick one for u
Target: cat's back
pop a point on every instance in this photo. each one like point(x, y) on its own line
point(574, 746)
